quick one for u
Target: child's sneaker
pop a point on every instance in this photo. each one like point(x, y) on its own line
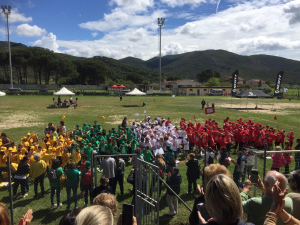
point(53, 206)
point(60, 205)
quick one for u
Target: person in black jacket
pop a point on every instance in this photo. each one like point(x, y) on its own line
point(174, 182)
point(192, 172)
point(20, 177)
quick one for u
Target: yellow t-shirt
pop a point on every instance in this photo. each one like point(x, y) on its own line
point(18, 158)
point(14, 167)
point(58, 151)
point(76, 157)
point(3, 161)
point(37, 168)
point(65, 158)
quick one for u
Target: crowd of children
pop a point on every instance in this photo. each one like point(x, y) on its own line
point(157, 140)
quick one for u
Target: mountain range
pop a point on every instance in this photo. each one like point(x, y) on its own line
point(187, 65)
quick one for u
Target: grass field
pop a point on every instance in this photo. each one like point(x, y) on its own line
point(22, 114)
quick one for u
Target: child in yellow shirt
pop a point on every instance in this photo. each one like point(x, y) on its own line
point(19, 156)
point(65, 157)
point(76, 156)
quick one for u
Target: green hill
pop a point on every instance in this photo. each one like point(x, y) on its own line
point(3, 45)
point(187, 65)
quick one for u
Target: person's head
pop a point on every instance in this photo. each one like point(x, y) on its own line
point(49, 124)
point(223, 200)
point(84, 157)
point(104, 181)
point(55, 164)
point(95, 215)
point(52, 129)
point(147, 148)
point(215, 169)
point(25, 159)
point(278, 148)
point(294, 181)
point(175, 170)
point(3, 135)
point(172, 161)
point(108, 200)
point(192, 156)
point(239, 154)
point(72, 165)
point(77, 150)
point(270, 179)
point(4, 216)
point(70, 217)
point(37, 156)
point(287, 144)
point(107, 152)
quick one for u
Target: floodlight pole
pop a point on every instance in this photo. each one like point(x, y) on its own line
point(7, 10)
point(160, 22)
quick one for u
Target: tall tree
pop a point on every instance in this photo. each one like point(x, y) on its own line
point(205, 75)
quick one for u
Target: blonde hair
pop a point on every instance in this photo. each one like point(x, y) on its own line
point(278, 148)
point(95, 215)
point(215, 169)
point(159, 158)
point(107, 200)
point(4, 219)
point(223, 200)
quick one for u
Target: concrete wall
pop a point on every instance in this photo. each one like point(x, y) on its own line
point(53, 87)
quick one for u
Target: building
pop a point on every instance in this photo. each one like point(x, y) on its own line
point(255, 82)
point(175, 84)
point(202, 91)
point(229, 79)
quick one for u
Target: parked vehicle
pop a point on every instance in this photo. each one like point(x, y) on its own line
point(216, 92)
point(14, 90)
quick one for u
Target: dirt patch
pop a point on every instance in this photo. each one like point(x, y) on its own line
point(270, 112)
point(20, 120)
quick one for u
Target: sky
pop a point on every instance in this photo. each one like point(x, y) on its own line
point(122, 28)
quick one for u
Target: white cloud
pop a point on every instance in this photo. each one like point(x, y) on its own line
point(15, 16)
point(48, 42)
point(119, 19)
point(135, 5)
point(176, 3)
point(94, 34)
point(28, 30)
point(138, 35)
point(293, 9)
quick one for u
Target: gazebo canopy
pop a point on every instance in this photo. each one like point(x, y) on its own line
point(2, 93)
point(253, 94)
point(64, 91)
point(135, 92)
point(122, 86)
point(114, 86)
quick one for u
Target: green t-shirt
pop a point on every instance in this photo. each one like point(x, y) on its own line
point(72, 177)
point(59, 171)
point(147, 156)
point(123, 149)
point(102, 147)
point(114, 150)
point(88, 151)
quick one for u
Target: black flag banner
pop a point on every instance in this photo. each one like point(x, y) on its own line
point(235, 78)
point(278, 83)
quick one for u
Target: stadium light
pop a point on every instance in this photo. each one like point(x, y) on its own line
point(160, 22)
point(7, 10)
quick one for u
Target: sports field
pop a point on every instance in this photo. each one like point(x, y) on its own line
point(22, 114)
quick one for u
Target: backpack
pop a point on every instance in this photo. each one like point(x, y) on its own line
point(119, 169)
point(210, 160)
point(87, 180)
point(52, 175)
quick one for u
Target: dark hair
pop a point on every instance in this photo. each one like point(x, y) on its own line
point(84, 156)
point(107, 152)
point(25, 158)
point(176, 170)
point(103, 180)
point(172, 161)
point(295, 176)
point(52, 129)
point(3, 134)
point(62, 123)
point(69, 217)
point(72, 165)
point(55, 163)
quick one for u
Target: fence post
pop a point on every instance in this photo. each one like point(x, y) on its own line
point(92, 180)
point(265, 159)
point(204, 185)
point(10, 191)
point(96, 170)
point(255, 167)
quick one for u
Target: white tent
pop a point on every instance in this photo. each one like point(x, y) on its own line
point(135, 92)
point(2, 93)
point(64, 91)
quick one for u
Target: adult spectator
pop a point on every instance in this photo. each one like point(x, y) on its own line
point(5, 140)
point(70, 217)
point(4, 216)
point(62, 128)
point(203, 103)
point(238, 168)
point(48, 129)
point(294, 183)
point(257, 207)
point(174, 181)
point(138, 155)
point(209, 172)
point(72, 183)
point(192, 172)
point(119, 175)
point(20, 177)
point(223, 202)
point(277, 208)
point(54, 175)
point(108, 165)
point(95, 215)
point(37, 173)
